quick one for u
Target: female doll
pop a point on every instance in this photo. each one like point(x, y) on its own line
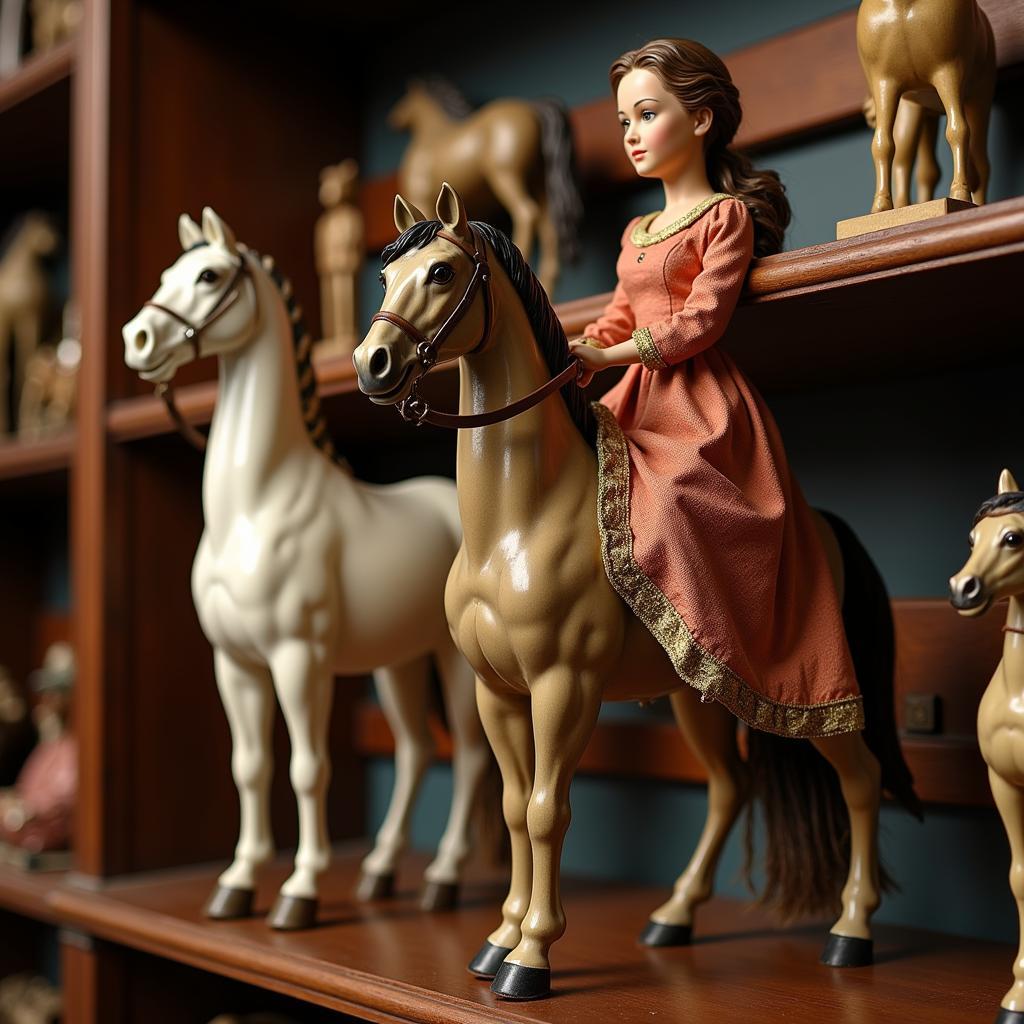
point(723, 560)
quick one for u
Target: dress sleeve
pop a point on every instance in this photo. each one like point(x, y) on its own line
point(713, 295)
point(617, 322)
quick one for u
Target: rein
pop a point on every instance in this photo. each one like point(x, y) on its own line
point(415, 409)
point(191, 335)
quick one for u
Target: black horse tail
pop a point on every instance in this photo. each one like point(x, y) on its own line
point(806, 823)
point(564, 205)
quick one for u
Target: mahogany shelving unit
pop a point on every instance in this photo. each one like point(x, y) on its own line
point(154, 109)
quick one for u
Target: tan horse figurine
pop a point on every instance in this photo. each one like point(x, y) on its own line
point(531, 607)
point(935, 53)
point(994, 572)
point(914, 136)
point(511, 154)
point(24, 294)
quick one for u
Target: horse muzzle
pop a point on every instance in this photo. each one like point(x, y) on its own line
point(382, 377)
point(968, 594)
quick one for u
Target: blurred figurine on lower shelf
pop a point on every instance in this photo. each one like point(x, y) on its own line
point(304, 571)
point(28, 999)
point(51, 384)
point(995, 572)
point(36, 813)
point(54, 21)
point(340, 248)
point(17, 733)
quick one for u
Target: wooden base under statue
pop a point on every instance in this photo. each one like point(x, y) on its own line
point(894, 218)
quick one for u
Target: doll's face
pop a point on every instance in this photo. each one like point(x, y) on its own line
point(660, 136)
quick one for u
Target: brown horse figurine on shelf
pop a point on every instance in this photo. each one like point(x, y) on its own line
point(938, 54)
point(510, 154)
point(531, 607)
point(995, 572)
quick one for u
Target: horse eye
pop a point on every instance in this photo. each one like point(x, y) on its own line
point(1013, 540)
point(441, 273)
point(207, 276)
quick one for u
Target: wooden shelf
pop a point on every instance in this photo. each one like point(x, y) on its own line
point(389, 962)
point(32, 458)
point(28, 892)
point(37, 74)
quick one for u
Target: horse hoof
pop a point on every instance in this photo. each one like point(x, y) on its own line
point(439, 896)
point(227, 904)
point(486, 963)
point(657, 934)
point(292, 913)
point(375, 887)
point(514, 981)
point(847, 951)
point(1009, 1016)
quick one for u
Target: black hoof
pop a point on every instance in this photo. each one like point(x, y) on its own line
point(292, 914)
point(439, 896)
point(486, 963)
point(1009, 1016)
point(657, 934)
point(227, 904)
point(375, 887)
point(847, 951)
point(514, 981)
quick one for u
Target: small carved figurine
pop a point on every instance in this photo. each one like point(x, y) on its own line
point(340, 247)
point(995, 572)
point(51, 383)
point(24, 296)
point(26, 999)
point(53, 21)
point(937, 54)
point(495, 158)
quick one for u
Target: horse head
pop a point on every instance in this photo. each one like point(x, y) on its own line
point(204, 305)
point(995, 568)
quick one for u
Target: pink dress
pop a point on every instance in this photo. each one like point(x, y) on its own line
point(705, 533)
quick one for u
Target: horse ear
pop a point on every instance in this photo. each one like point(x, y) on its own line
point(451, 213)
point(1007, 483)
point(189, 232)
point(216, 232)
point(406, 215)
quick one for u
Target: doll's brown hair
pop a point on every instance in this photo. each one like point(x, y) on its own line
point(698, 78)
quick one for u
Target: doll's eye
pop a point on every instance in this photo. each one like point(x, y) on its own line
point(648, 115)
point(625, 123)
point(207, 276)
point(441, 273)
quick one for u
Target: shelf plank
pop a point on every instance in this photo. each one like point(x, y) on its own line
point(32, 458)
point(36, 74)
point(28, 892)
point(389, 962)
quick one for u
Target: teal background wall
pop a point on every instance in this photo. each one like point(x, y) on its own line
point(906, 463)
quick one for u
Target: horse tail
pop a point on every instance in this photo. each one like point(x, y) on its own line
point(565, 207)
point(806, 823)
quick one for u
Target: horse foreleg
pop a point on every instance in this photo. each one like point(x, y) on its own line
point(1010, 802)
point(404, 692)
point(248, 698)
point(860, 780)
point(906, 131)
point(710, 732)
point(926, 170)
point(506, 720)
point(886, 96)
point(470, 759)
point(949, 85)
point(977, 117)
point(302, 679)
point(564, 706)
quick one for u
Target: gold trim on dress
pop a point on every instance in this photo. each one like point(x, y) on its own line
point(696, 666)
point(640, 236)
point(649, 354)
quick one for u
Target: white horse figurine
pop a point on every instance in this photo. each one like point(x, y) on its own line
point(303, 571)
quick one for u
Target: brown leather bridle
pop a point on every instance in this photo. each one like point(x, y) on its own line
point(415, 409)
point(192, 335)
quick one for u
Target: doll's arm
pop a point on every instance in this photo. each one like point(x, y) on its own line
point(615, 324)
point(708, 308)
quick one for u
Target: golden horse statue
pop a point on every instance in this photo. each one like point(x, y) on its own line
point(531, 607)
point(515, 155)
point(936, 54)
point(995, 572)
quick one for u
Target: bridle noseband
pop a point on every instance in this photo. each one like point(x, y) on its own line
point(192, 335)
point(415, 409)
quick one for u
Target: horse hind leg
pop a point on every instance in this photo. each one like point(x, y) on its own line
point(710, 732)
point(977, 118)
point(906, 131)
point(885, 94)
point(506, 720)
point(849, 943)
point(549, 266)
point(471, 757)
point(511, 191)
point(949, 85)
point(1010, 803)
point(404, 693)
point(926, 170)
point(248, 697)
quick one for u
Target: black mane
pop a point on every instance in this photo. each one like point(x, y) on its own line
point(547, 329)
point(1001, 505)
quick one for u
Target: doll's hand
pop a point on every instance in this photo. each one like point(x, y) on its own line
point(590, 357)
